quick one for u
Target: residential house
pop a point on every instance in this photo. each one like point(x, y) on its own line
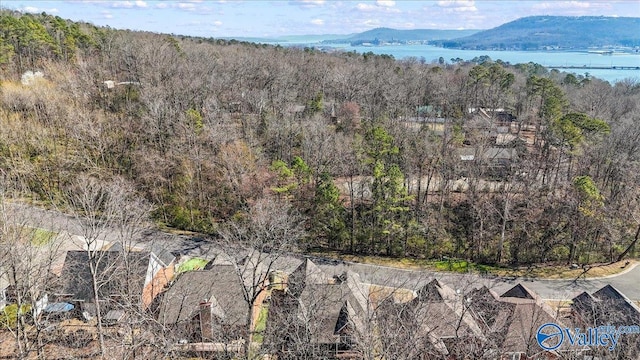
point(511, 321)
point(206, 306)
point(442, 326)
point(608, 307)
point(122, 279)
point(493, 161)
point(328, 313)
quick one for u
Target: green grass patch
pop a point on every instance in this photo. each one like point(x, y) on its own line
point(261, 325)
point(452, 265)
point(9, 315)
point(41, 237)
point(192, 264)
point(463, 266)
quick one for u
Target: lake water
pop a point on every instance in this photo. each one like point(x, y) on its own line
point(544, 58)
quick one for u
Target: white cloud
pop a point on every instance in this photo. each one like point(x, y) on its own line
point(372, 23)
point(317, 22)
point(35, 10)
point(366, 7)
point(307, 3)
point(458, 5)
point(122, 4)
point(186, 6)
point(129, 4)
point(563, 5)
point(377, 7)
point(217, 23)
point(386, 3)
point(107, 15)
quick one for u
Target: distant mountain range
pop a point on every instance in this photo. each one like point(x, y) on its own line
point(553, 32)
point(387, 35)
point(375, 36)
point(529, 33)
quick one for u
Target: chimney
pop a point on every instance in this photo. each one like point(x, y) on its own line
point(206, 326)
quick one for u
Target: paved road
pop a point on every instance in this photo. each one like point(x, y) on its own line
point(626, 282)
point(62, 223)
point(547, 289)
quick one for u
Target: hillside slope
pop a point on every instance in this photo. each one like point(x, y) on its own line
point(553, 32)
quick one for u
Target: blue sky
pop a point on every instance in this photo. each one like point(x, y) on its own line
point(260, 18)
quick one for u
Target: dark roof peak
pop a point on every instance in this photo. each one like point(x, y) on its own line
point(608, 292)
point(520, 292)
point(435, 291)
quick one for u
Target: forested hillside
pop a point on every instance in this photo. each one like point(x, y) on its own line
point(554, 32)
point(365, 148)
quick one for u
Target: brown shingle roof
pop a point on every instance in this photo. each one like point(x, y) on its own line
point(512, 318)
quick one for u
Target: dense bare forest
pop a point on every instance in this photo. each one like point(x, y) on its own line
point(484, 160)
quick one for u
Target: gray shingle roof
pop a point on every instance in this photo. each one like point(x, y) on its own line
point(307, 273)
point(327, 306)
point(606, 306)
point(118, 273)
point(218, 285)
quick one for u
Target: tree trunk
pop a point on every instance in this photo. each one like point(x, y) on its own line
point(352, 199)
point(247, 337)
point(505, 214)
point(96, 298)
point(631, 246)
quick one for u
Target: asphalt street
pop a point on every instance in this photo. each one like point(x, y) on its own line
point(627, 281)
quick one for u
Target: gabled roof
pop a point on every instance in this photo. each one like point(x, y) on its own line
point(321, 306)
point(221, 258)
point(327, 306)
point(435, 291)
point(616, 306)
point(512, 318)
point(219, 286)
point(608, 292)
point(163, 255)
point(520, 292)
point(118, 273)
point(583, 299)
point(307, 273)
point(490, 313)
point(358, 291)
point(442, 306)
